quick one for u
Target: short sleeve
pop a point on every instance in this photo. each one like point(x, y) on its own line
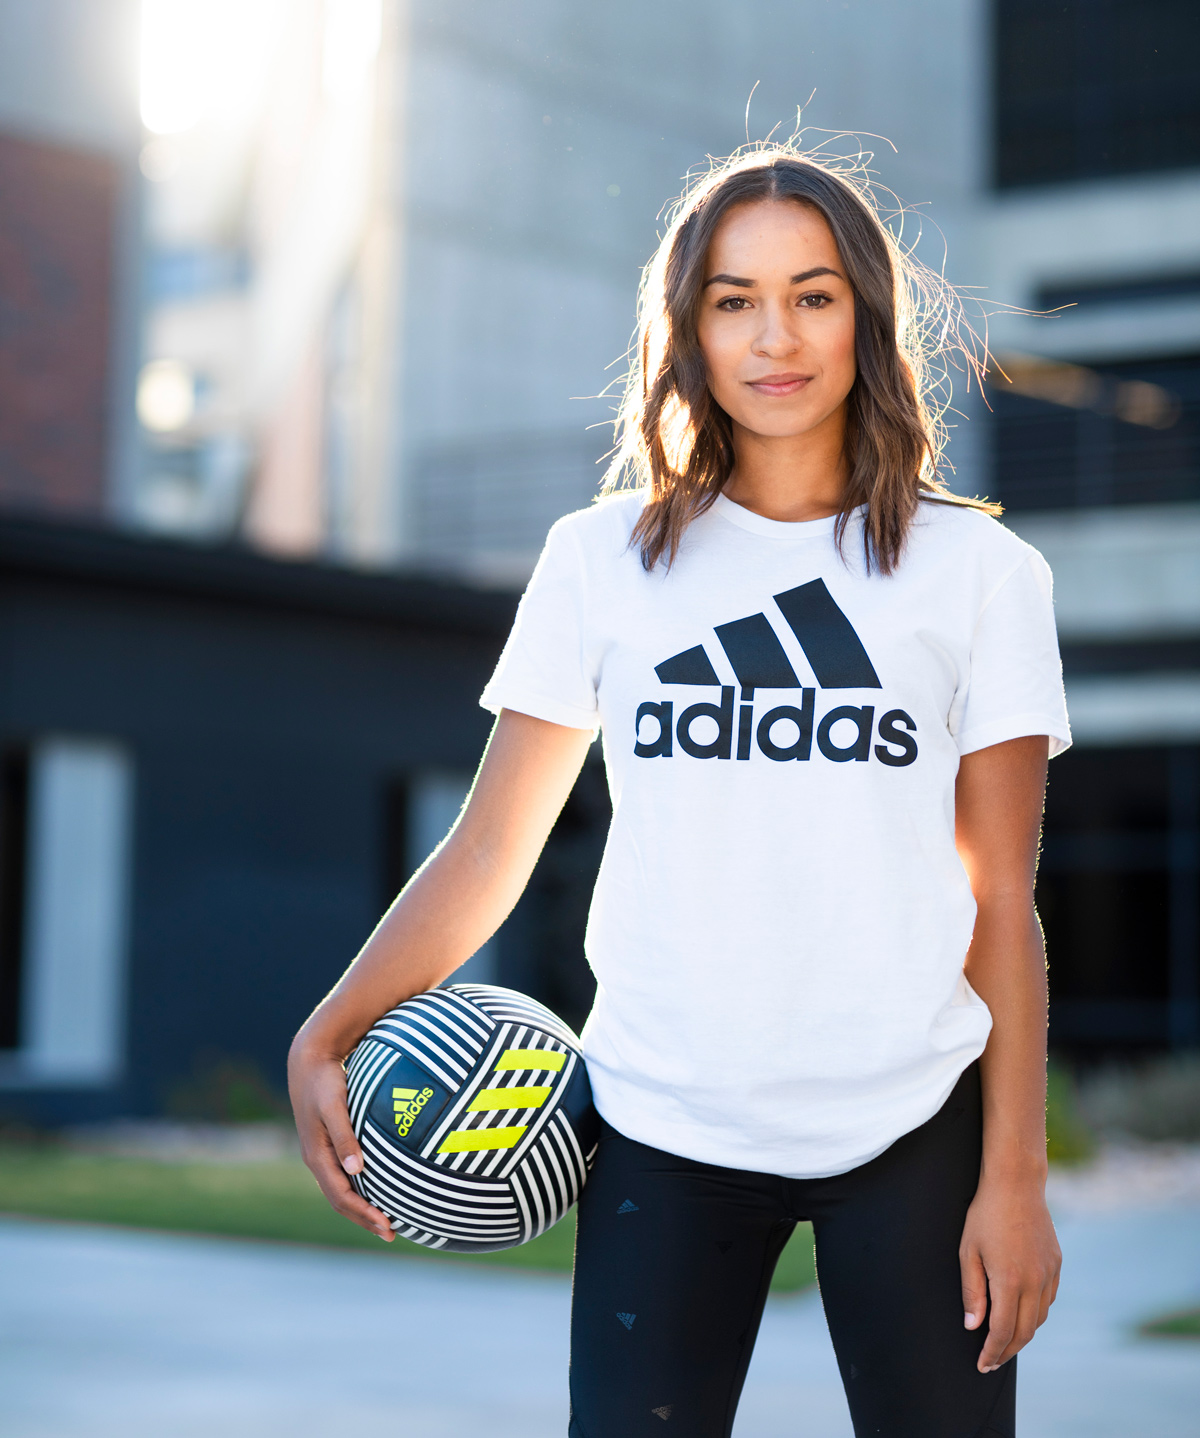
point(543, 670)
point(1015, 685)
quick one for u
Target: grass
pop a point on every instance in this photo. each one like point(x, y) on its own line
point(1174, 1325)
point(1068, 1138)
point(275, 1200)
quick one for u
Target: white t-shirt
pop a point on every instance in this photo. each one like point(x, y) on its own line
point(780, 921)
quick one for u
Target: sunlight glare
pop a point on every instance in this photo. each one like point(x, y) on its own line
point(166, 395)
point(352, 32)
point(204, 59)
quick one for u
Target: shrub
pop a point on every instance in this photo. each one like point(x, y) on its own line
point(1159, 1099)
point(227, 1090)
point(1068, 1138)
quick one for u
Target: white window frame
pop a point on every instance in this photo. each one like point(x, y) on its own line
point(76, 916)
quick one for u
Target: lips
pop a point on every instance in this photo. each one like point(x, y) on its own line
point(778, 385)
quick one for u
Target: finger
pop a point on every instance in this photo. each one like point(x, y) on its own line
point(1054, 1277)
point(974, 1287)
point(1002, 1321)
point(1025, 1326)
point(328, 1168)
point(1050, 1286)
point(341, 1196)
point(1046, 1298)
point(336, 1119)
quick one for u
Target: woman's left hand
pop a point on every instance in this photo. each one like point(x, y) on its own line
point(1010, 1255)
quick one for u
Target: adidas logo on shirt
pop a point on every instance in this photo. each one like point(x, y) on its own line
point(838, 660)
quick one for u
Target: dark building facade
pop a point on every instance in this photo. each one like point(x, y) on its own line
point(211, 766)
point(247, 734)
point(1119, 882)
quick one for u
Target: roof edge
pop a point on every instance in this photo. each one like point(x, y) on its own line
point(116, 559)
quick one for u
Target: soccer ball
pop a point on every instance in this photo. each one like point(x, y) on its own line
point(474, 1112)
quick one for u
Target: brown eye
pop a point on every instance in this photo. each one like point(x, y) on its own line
point(814, 302)
point(732, 302)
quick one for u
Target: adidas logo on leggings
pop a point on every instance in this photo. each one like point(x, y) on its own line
point(838, 660)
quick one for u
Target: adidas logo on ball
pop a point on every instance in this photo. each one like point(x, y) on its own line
point(838, 660)
point(474, 1113)
point(408, 1103)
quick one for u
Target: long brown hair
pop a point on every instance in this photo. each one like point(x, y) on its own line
point(676, 442)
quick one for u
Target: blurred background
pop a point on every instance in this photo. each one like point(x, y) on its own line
point(306, 309)
point(307, 313)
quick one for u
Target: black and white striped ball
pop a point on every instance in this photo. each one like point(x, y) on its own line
point(474, 1112)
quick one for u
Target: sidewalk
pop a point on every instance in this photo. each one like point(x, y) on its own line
point(106, 1333)
point(1086, 1374)
point(111, 1334)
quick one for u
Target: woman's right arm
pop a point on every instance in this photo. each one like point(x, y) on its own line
point(452, 906)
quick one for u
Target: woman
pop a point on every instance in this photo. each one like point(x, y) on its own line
point(828, 691)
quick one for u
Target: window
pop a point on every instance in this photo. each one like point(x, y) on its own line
point(542, 943)
point(1117, 434)
point(540, 947)
point(14, 792)
point(418, 815)
point(1090, 88)
point(64, 875)
point(1119, 897)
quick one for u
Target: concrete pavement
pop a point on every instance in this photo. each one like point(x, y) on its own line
point(106, 1333)
point(1086, 1374)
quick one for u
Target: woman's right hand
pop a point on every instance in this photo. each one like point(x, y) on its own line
point(456, 901)
point(317, 1084)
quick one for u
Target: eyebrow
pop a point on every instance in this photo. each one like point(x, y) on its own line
point(799, 279)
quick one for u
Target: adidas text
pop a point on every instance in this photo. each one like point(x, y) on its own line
point(784, 732)
point(408, 1103)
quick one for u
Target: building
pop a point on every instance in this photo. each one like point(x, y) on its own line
point(1093, 202)
point(216, 770)
point(369, 284)
point(70, 255)
point(1056, 153)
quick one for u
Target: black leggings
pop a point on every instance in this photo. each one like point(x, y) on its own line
point(674, 1258)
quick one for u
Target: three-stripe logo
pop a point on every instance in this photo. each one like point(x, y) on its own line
point(838, 660)
point(407, 1104)
point(511, 1098)
point(830, 644)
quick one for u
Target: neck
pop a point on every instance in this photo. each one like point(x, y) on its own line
point(791, 477)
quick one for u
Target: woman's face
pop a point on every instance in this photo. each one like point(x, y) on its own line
point(776, 320)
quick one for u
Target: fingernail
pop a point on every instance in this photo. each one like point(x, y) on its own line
point(352, 1163)
point(968, 1320)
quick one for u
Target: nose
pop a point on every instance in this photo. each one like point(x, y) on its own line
point(778, 337)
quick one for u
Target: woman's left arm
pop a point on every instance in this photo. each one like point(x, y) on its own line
point(1009, 1253)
